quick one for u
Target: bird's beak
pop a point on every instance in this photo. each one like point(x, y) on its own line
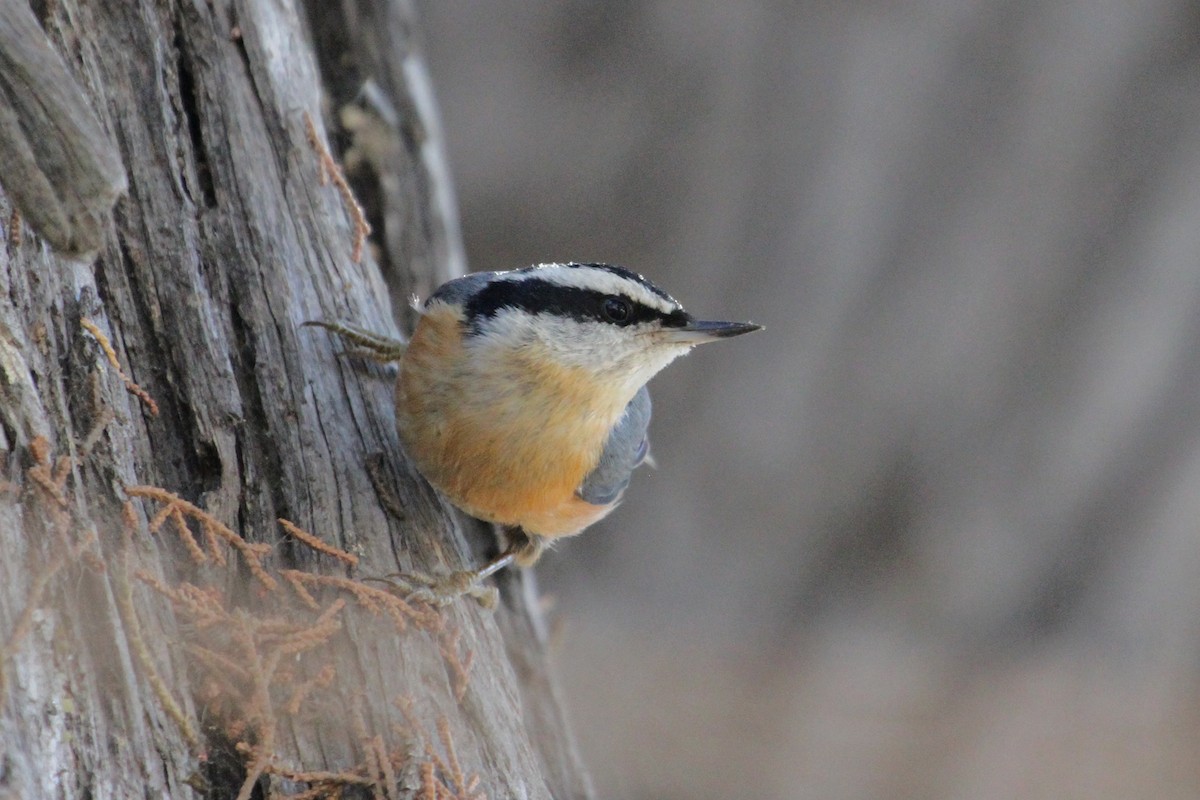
point(700, 331)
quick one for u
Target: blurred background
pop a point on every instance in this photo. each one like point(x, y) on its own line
point(936, 532)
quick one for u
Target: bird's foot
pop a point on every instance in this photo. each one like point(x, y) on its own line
point(441, 590)
point(367, 344)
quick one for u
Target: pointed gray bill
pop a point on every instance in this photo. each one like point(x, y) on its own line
point(701, 331)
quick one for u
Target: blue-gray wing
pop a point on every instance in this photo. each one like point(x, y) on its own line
point(623, 452)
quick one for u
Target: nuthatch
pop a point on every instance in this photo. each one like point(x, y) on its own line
point(522, 394)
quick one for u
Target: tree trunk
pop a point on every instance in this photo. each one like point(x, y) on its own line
point(161, 632)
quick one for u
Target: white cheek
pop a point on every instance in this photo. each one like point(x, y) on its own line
point(625, 355)
point(589, 345)
point(649, 362)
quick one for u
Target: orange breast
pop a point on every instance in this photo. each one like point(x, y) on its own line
point(508, 439)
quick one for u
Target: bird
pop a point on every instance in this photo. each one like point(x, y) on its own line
point(521, 394)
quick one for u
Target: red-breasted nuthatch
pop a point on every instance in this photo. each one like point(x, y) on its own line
point(522, 394)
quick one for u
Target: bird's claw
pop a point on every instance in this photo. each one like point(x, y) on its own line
point(441, 590)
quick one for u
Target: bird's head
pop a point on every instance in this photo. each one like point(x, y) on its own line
point(606, 320)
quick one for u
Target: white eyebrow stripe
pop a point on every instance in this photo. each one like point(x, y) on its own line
point(594, 279)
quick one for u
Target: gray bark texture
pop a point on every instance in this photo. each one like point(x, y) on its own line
point(162, 632)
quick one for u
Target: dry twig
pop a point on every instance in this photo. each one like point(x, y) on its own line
point(133, 632)
point(328, 170)
point(318, 545)
point(252, 554)
point(111, 354)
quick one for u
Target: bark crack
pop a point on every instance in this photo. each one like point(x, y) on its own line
point(190, 108)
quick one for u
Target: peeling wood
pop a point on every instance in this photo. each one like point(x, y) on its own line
point(154, 626)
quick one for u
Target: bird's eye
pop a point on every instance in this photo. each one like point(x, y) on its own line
point(617, 309)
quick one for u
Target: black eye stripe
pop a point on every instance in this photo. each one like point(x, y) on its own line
point(621, 272)
point(542, 297)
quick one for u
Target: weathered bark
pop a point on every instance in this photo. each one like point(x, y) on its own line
point(227, 240)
